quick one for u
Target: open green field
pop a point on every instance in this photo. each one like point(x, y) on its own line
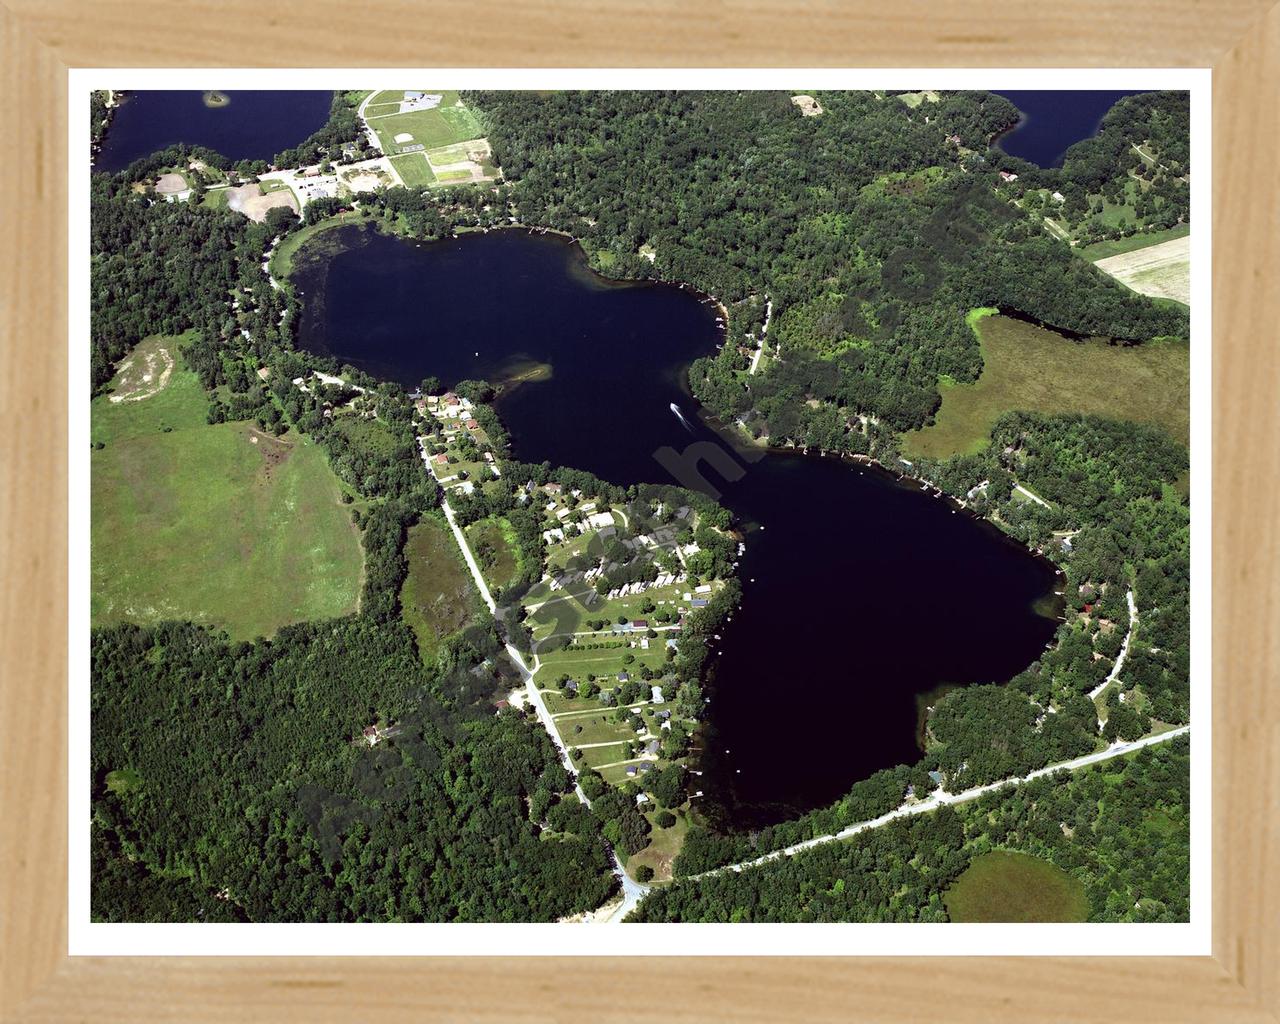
point(1101, 250)
point(601, 728)
point(578, 662)
point(1014, 887)
point(221, 524)
point(437, 598)
point(414, 170)
point(493, 542)
point(444, 125)
point(1028, 368)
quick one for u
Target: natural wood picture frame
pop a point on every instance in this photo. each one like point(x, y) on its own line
point(1239, 39)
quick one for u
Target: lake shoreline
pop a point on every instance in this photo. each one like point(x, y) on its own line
point(1014, 633)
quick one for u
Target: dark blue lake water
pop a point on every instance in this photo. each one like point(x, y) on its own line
point(1054, 120)
point(253, 126)
point(860, 592)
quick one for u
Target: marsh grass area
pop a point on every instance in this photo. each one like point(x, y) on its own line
point(1003, 886)
point(221, 524)
point(496, 549)
point(1028, 368)
point(437, 598)
point(282, 259)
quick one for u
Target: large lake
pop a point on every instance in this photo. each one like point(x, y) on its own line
point(860, 592)
point(252, 126)
point(1054, 120)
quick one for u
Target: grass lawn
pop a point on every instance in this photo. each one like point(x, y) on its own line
point(602, 662)
point(438, 597)
point(599, 728)
point(594, 757)
point(1028, 368)
point(493, 542)
point(560, 703)
point(220, 524)
point(1101, 250)
point(215, 199)
point(413, 169)
point(1014, 887)
point(664, 845)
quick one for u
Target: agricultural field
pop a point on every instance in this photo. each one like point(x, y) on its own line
point(220, 524)
point(1002, 886)
point(425, 127)
point(437, 598)
point(1162, 271)
point(1028, 368)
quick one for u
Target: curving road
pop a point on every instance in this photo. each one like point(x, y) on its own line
point(1124, 650)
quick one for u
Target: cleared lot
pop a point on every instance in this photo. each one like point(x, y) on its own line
point(1162, 270)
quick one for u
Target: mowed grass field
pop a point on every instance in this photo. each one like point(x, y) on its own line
point(1028, 368)
point(219, 524)
point(1002, 886)
point(414, 170)
point(443, 125)
point(437, 598)
point(1115, 247)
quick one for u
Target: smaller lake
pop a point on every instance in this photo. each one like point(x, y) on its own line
point(1053, 120)
point(251, 126)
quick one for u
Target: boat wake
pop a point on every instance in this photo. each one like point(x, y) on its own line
point(680, 416)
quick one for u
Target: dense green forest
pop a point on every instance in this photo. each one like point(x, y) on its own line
point(244, 770)
point(1121, 828)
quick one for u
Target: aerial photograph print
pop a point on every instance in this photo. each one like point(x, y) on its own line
point(617, 506)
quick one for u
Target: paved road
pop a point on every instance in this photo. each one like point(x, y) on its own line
point(941, 798)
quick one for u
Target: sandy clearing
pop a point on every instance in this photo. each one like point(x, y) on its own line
point(404, 137)
point(137, 382)
point(1162, 270)
point(171, 184)
point(809, 107)
point(249, 200)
